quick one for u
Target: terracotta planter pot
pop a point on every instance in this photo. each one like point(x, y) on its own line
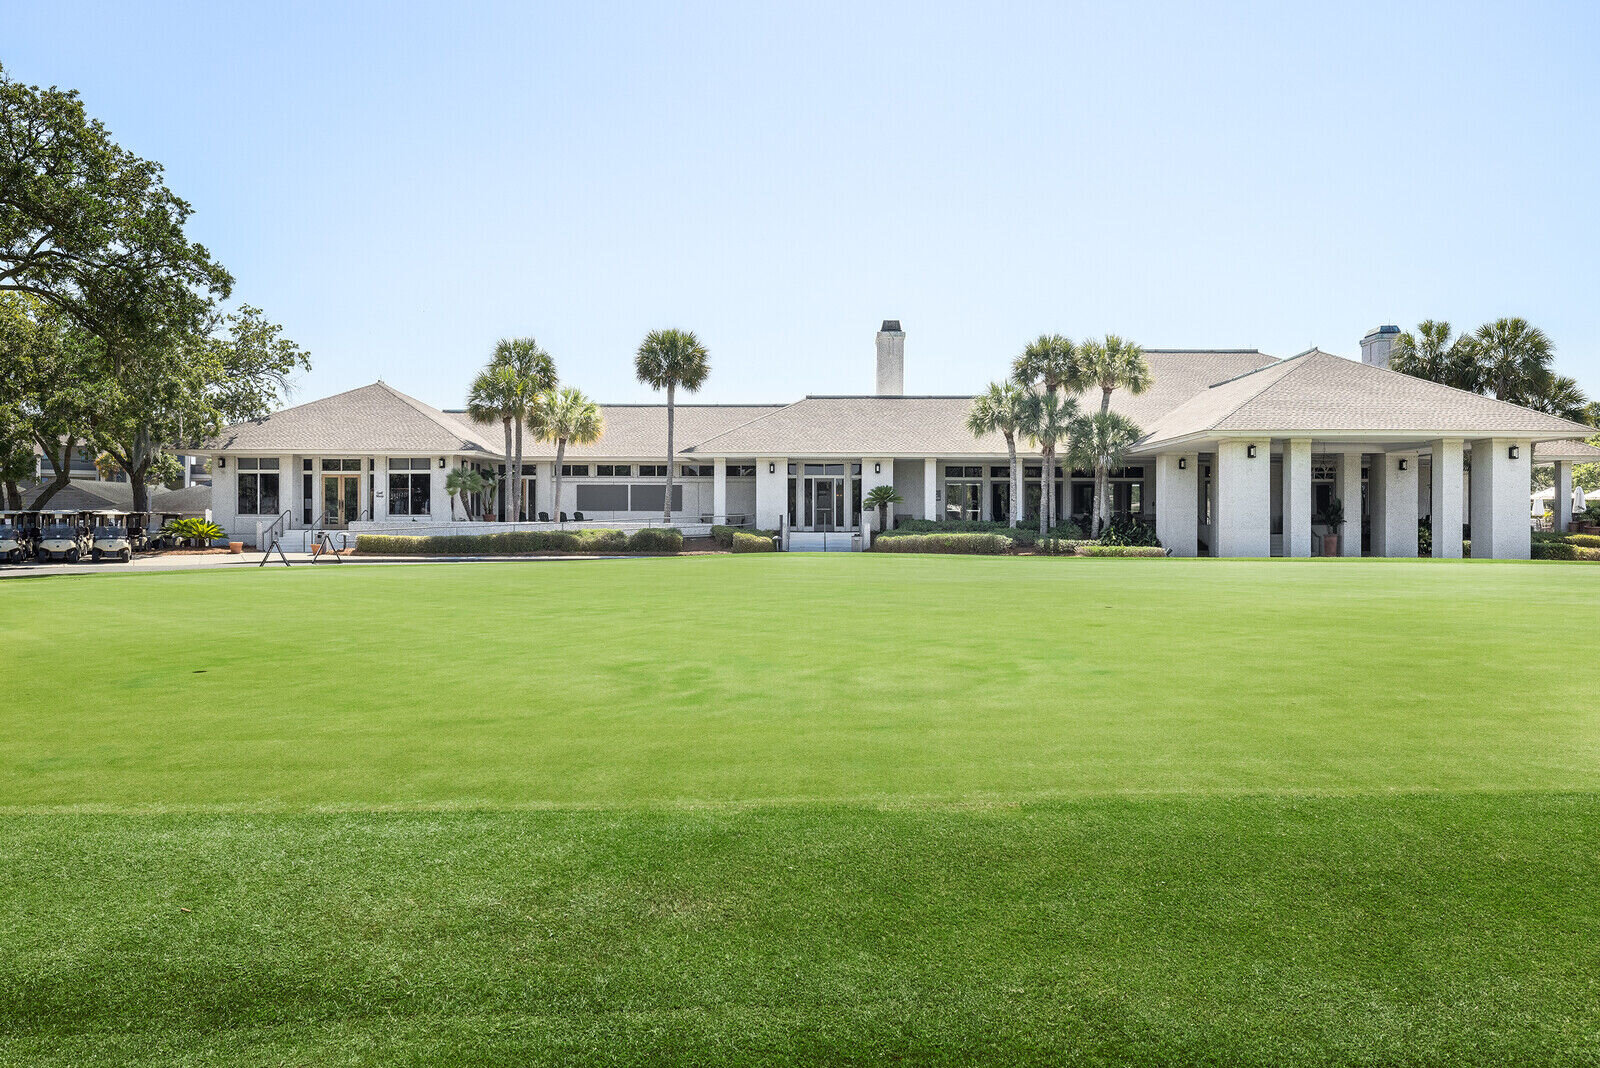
point(236, 547)
point(1330, 545)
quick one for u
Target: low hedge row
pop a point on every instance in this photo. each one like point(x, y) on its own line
point(520, 543)
point(744, 541)
point(1552, 549)
point(725, 536)
point(1121, 550)
point(1025, 536)
point(989, 544)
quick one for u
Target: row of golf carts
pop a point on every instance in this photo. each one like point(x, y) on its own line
point(50, 536)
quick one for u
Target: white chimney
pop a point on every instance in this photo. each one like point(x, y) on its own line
point(891, 359)
point(1375, 347)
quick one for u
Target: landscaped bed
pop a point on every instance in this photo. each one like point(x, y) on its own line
point(649, 540)
point(822, 809)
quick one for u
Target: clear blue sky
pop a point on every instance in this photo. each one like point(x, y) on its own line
point(400, 185)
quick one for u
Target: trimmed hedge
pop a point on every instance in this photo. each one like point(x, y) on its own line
point(744, 541)
point(986, 544)
point(1121, 550)
point(656, 540)
point(520, 543)
point(724, 536)
point(1064, 546)
point(1588, 541)
point(1554, 550)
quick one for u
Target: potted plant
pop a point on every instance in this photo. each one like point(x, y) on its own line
point(1332, 517)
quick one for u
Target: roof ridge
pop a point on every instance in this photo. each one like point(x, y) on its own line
point(1464, 392)
point(436, 416)
point(741, 426)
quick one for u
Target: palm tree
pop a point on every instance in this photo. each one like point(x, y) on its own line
point(1047, 418)
point(1101, 440)
point(1515, 358)
point(1000, 408)
point(881, 497)
point(1111, 364)
point(461, 483)
point(1561, 395)
point(535, 374)
point(496, 393)
point(564, 417)
point(666, 360)
point(1051, 361)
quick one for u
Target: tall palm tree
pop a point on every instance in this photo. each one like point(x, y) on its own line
point(1111, 364)
point(1101, 440)
point(1515, 358)
point(1000, 408)
point(564, 417)
point(668, 359)
point(1561, 395)
point(1051, 361)
point(535, 374)
point(1431, 354)
point(496, 393)
point(1047, 419)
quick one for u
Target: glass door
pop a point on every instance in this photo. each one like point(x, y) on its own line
point(340, 499)
point(824, 513)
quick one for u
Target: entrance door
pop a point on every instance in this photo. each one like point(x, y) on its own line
point(340, 499)
point(824, 513)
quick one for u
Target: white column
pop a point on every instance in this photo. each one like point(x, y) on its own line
point(544, 488)
point(1392, 483)
point(876, 471)
point(1500, 481)
point(438, 499)
point(1446, 498)
point(1297, 497)
point(1178, 502)
point(849, 499)
point(772, 491)
point(1347, 488)
point(1244, 498)
point(930, 488)
point(1562, 509)
point(719, 490)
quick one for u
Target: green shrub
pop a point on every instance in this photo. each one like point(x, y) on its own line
point(1095, 549)
point(1063, 546)
point(976, 544)
point(515, 543)
point(194, 530)
point(724, 536)
point(1126, 530)
point(1586, 552)
point(745, 541)
point(656, 540)
point(1590, 541)
point(1554, 550)
point(1425, 538)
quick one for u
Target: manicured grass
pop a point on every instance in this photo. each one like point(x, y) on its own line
point(870, 809)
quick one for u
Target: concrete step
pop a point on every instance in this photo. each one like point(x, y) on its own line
point(842, 541)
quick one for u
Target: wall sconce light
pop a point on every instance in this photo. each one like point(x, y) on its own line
point(1402, 463)
point(441, 463)
point(1512, 452)
point(877, 469)
point(222, 461)
point(772, 469)
point(1250, 451)
point(1183, 463)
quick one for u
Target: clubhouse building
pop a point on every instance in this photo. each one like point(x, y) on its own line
point(1241, 451)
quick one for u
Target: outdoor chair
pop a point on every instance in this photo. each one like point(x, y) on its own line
point(577, 517)
point(544, 517)
point(563, 516)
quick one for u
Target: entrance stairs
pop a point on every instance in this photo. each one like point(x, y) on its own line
point(818, 541)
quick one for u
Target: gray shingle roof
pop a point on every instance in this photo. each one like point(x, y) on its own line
point(936, 426)
point(1577, 451)
point(85, 495)
point(376, 418)
point(1319, 392)
point(633, 431)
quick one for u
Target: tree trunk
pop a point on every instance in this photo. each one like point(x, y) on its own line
point(1105, 400)
point(141, 492)
point(666, 501)
point(555, 474)
point(13, 496)
point(1102, 488)
point(505, 490)
point(62, 468)
point(1047, 490)
point(1014, 519)
point(516, 474)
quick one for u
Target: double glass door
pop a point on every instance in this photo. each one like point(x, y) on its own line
point(340, 498)
point(824, 503)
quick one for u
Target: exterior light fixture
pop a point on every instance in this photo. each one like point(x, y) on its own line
point(1402, 463)
point(877, 469)
point(1250, 451)
point(1512, 452)
point(772, 469)
point(441, 463)
point(1183, 463)
point(222, 461)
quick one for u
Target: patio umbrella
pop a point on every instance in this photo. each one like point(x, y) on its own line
point(1578, 503)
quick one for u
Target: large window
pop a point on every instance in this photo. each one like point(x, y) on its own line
point(409, 484)
point(652, 470)
point(963, 492)
point(613, 470)
point(649, 498)
point(258, 486)
point(571, 470)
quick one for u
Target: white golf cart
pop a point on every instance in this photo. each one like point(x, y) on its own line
point(110, 537)
point(15, 543)
point(62, 536)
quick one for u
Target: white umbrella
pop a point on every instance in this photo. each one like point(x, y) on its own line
point(1578, 503)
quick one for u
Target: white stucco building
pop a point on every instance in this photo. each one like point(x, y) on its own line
point(1241, 453)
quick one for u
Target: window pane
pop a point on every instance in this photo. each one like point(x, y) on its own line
point(597, 497)
point(247, 463)
point(269, 495)
point(330, 465)
point(352, 465)
point(269, 463)
point(399, 494)
point(420, 485)
point(247, 494)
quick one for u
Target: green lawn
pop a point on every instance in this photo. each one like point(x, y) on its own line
point(843, 809)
